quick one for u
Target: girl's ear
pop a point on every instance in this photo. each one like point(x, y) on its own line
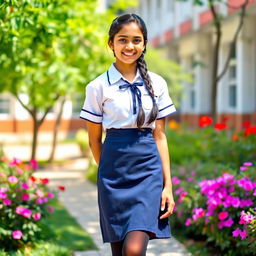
point(110, 44)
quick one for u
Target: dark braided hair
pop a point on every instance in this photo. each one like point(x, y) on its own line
point(115, 27)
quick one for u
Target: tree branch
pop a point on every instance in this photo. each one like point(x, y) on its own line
point(233, 42)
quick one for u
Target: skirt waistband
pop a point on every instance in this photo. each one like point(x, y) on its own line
point(129, 131)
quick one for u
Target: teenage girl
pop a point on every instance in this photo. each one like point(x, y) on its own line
point(134, 181)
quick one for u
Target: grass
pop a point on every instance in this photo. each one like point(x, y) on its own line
point(61, 235)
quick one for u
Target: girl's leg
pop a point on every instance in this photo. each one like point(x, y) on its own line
point(135, 243)
point(116, 248)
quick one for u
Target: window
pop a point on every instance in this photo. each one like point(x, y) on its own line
point(232, 83)
point(5, 105)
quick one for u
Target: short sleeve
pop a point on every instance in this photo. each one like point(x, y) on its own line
point(92, 108)
point(164, 102)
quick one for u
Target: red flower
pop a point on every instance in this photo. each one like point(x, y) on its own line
point(45, 181)
point(235, 137)
point(62, 188)
point(250, 130)
point(205, 121)
point(220, 126)
point(32, 178)
point(246, 124)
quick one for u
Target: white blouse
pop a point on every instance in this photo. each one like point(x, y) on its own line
point(116, 107)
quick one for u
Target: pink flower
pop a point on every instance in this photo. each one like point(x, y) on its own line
point(3, 195)
point(50, 195)
point(37, 216)
point(2, 174)
point(223, 215)
point(243, 234)
point(16, 234)
point(245, 218)
point(25, 197)
point(243, 168)
point(248, 185)
point(179, 190)
point(27, 213)
point(236, 232)
point(246, 203)
point(50, 208)
point(39, 201)
point(13, 179)
point(34, 164)
point(3, 189)
point(198, 213)
point(39, 193)
point(19, 209)
point(7, 201)
point(188, 222)
point(25, 185)
point(229, 222)
point(175, 180)
point(45, 199)
point(254, 193)
point(19, 171)
point(247, 163)
point(235, 202)
point(182, 195)
point(15, 162)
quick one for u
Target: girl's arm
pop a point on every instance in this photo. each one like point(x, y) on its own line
point(161, 142)
point(95, 135)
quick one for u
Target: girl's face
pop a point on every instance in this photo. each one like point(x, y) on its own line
point(128, 44)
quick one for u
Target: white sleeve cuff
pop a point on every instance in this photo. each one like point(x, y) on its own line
point(88, 115)
point(166, 111)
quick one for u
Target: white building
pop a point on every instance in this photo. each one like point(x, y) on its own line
point(186, 32)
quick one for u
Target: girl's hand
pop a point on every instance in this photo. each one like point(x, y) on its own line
point(167, 201)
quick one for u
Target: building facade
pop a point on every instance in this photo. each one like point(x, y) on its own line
point(187, 34)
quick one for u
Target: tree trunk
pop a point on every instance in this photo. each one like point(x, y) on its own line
point(36, 126)
point(56, 130)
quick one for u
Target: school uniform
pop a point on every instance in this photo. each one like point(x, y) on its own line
point(130, 178)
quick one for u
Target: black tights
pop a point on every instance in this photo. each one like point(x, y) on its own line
point(134, 244)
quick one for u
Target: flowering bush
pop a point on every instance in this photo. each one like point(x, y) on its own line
point(24, 201)
point(220, 209)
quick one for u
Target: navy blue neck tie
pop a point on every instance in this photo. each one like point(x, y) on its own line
point(135, 93)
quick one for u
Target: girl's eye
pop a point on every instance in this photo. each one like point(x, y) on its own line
point(122, 40)
point(137, 41)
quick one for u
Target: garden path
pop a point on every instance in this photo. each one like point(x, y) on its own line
point(80, 198)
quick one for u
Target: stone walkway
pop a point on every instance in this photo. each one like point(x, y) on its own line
point(80, 198)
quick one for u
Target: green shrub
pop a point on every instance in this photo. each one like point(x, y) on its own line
point(83, 142)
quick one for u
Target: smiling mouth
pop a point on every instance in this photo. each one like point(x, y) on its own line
point(128, 54)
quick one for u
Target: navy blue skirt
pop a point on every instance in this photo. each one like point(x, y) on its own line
point(130, 182)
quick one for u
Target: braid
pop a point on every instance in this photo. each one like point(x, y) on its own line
point(142, 65)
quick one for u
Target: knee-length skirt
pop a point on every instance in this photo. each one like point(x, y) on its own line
point(130, 182)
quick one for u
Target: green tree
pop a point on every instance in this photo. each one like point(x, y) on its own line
point(50, 49)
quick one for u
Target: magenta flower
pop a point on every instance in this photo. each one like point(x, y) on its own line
point(25, 185)
point(16, 234)
point(182, 195)
point(188, 222)
point(34, 164)
point(229, 222)
point(248, 164)
point(15, 162)
point(235, 202)
point(254, 193)
point(3, 189)
point(175, 180)
point(39, 193)
point(37, 216)
point(50, 195)
point(248, 185)
point(45, 199)
point(198, 213)
point(243, 234)
point(39, 201)
point(243, 168)
point(223, 215)
point(13, 179)
point(246, 203)
point(27, 213)
point(236, 232)
point(7, 201)
point(25, 197)
point(3, 195)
